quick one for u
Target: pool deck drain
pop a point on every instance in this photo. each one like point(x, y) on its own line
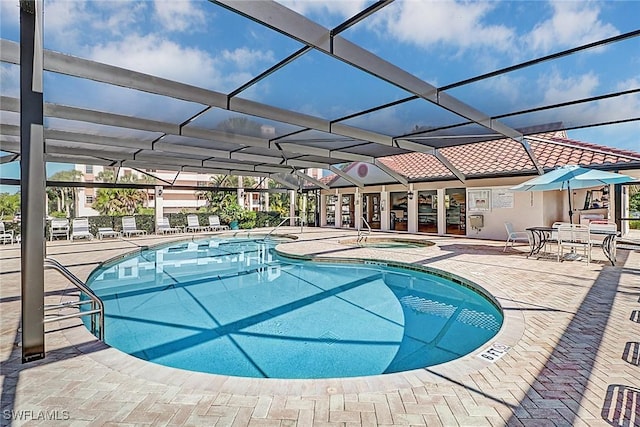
point(569, 329)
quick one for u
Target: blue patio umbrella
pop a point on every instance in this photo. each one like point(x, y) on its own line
point(572, 177)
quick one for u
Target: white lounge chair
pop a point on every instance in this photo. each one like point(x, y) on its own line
point(163, 226)
point(59, 227)
point(129, 227)
point(107, 232)
point(193, 225)
point(574, 236)
point(6, 236)
point(214, 223)
point(80, 229)
point(514, 236)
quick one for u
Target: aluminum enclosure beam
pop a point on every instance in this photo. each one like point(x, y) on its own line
point(346, 176)
point(393, 174)
point(298, 27)
point(312, 180)
point(283, 182)
point(32, 186)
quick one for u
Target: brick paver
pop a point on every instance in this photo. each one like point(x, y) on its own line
point(573, 331)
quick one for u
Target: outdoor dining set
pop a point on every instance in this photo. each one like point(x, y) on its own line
point(575, 237)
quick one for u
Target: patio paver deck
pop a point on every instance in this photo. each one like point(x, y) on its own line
point(573, 328)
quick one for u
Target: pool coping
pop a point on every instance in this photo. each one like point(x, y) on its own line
point(509, 334)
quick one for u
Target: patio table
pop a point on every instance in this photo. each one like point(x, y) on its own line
point(608, 244)
point(540, 236)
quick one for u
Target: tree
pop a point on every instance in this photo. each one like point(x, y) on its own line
point(634, 198)
point(119, 201)
point(9, 204)
point(65, 197)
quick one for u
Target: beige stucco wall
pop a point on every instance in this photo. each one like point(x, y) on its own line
point(537, 208)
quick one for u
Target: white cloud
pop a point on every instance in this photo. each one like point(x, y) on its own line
point(154, 55)
point(10, 80)
point(9, 13)
point(247, 58)
point(561, 89)
point(458, 24)
point(318, 8)
point(573, 23)
point(179, 15)
point(72, 24)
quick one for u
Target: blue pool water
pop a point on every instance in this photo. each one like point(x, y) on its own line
point(234, 307)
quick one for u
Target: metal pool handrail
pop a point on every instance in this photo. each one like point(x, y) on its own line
point(361, 233)
point(97, 306)
point(285, 220)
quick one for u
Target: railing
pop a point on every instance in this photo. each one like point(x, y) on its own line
point(97, 306)
point(361, 233)
point(285, 220)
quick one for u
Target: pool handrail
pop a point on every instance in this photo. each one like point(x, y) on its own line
point(97, 306)
point(361, 233)
point(285, 220)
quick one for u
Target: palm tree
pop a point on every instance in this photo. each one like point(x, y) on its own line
point(118, 201)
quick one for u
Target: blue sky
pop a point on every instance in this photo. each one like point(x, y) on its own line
point(441, 42)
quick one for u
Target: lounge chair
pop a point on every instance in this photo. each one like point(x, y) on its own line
point(59, 227)
point(514, 236)
point(163, 226)
point(214, 223)
point(193, 225)
point(107, 232)
point(574, 236)
point(129, 227)
point(80, 229)
point(6, 236)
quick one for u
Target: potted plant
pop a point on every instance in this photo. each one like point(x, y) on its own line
point(231, 213)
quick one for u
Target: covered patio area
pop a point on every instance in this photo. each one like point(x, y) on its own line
point(572, 330)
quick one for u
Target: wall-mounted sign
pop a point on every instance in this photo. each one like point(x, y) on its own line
point(502, 199)
point(479, 200)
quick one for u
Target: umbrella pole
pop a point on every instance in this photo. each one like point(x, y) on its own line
point(570, 207)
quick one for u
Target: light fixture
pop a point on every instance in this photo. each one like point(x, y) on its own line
point(410, 195)
point(382, 204)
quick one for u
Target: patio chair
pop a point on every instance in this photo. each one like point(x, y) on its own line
point(574, 236)
point(5, 235)
point(107, 232)
point(214, 223)
point(193, 225)
point(514, 236)
point(552, 238)
point(80, 229)
point(163, 226)
point(59, 227)
point(129, 227)
point(599, 239)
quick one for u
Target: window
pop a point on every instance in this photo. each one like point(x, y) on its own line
point(88, 199)
point(88, 169)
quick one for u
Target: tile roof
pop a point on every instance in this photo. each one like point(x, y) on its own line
point(506, 157)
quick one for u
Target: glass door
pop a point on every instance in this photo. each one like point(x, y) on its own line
point(331, 210)
point(428, 211)
point(348, 211)
point(398, 212)
point(455, 200)
point(371, 209)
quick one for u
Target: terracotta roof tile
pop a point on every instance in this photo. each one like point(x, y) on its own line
point(506, 156)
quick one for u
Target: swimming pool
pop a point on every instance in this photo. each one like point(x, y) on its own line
point(235, 307)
